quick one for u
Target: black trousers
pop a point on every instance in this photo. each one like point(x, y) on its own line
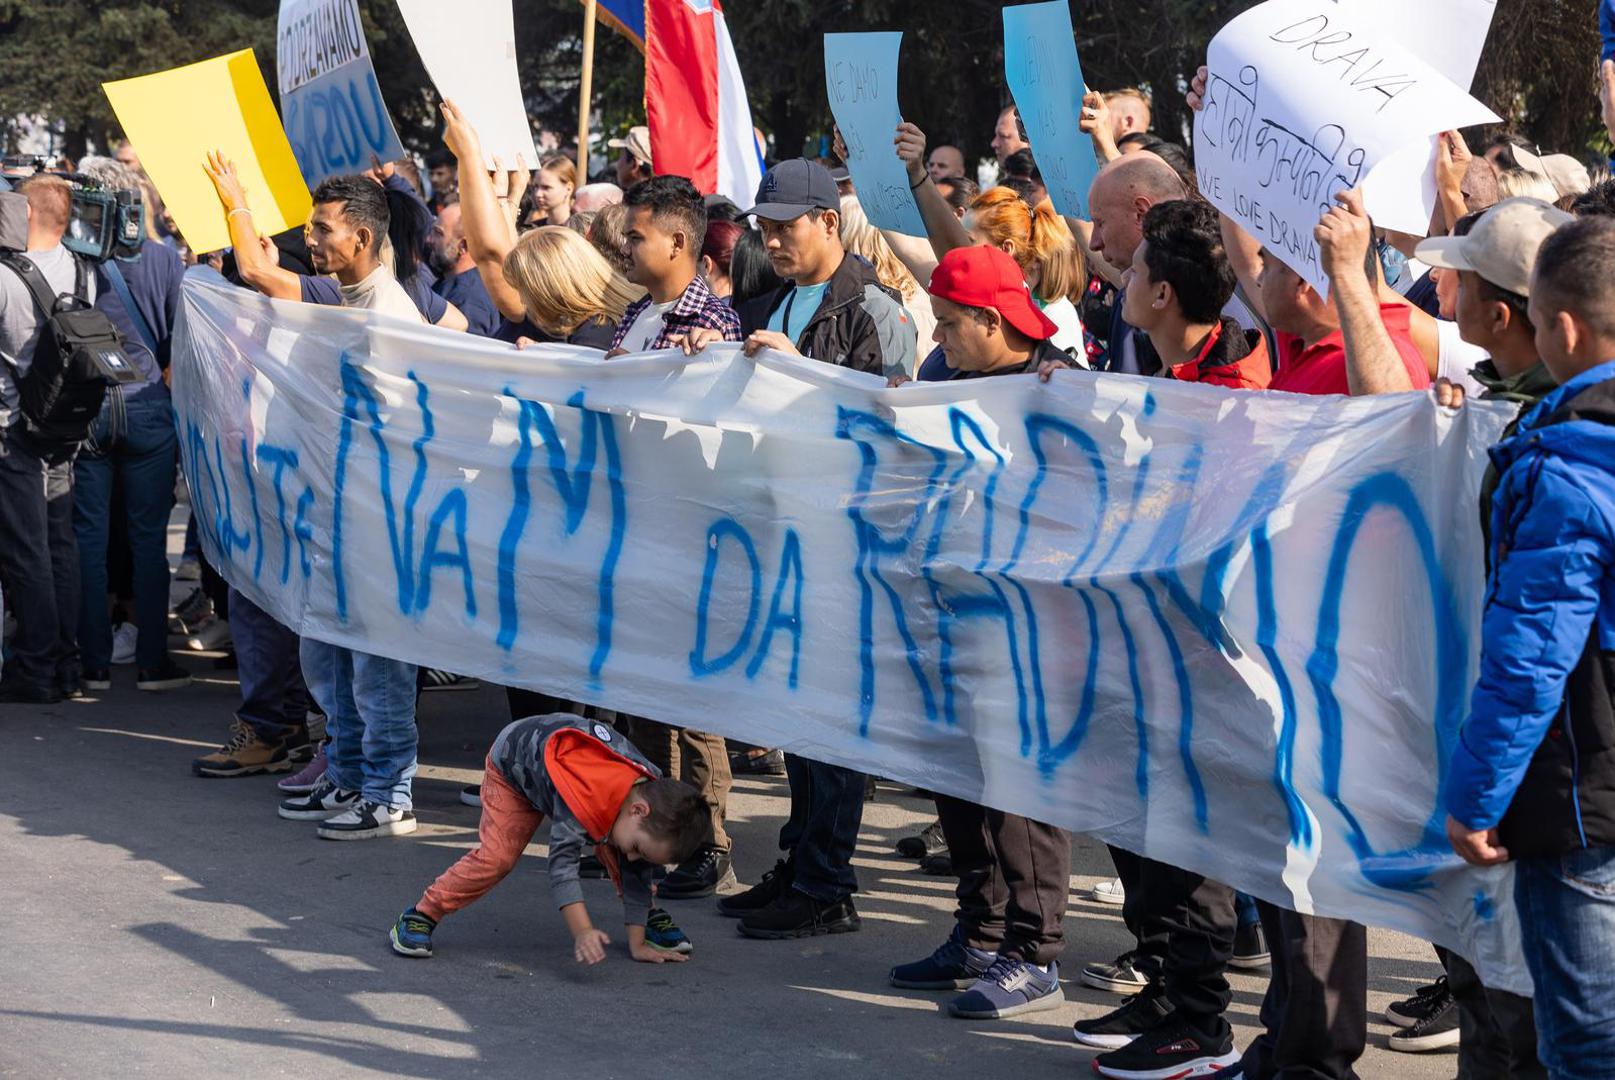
point(1498, 1029)
point(39, 566)
point(827, 808)
point(1316, 1009)
point(1014, 879)
point(1184, 925)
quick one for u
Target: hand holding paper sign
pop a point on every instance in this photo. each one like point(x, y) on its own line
point(1094, 122)
point(910, 144)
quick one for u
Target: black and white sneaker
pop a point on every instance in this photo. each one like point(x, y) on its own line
point(438, 679)
point(1119, 1027)
point(366, 821)
point(1426, 1001)
point(471, 795)
point(1437, 1031)
point(325, 801)
point(1174, 1050)
point(1250, 948)
point(1119, 976)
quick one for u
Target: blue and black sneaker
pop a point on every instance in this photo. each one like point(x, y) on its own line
point(1008, 988)
point(662, 933)
point(953, 966)
point(411, 935)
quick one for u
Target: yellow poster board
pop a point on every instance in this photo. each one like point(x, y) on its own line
point(175, 117)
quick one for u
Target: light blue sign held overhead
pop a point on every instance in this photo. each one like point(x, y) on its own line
point(1045, 78)
point(860, 74)
point(330, 102)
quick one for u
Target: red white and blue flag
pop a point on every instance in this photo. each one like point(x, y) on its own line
point(695, 99)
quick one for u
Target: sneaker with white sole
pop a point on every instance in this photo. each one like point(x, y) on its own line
point(1425, 1002)
point(367, 821)
point(325, 801)
point(471, 795)
point(165, 676)
point(1138, 1014)
point(438, 679)
point(125, 636)
point(1174, 1050)
point(1437, 1031)
point(308, 777)
point(1109, 892)
point(1120, 976)
point(209, 635)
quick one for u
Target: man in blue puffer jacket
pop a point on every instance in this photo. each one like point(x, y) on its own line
point(1533, 775)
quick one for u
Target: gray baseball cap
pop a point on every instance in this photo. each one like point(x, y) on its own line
point(792, 188)
point(1502, 247)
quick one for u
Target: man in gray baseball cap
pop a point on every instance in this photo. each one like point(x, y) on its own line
point(1493, 252)
point(792, 188)
point(1493, 263)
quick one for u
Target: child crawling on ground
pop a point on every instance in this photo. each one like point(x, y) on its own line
point(596, 789)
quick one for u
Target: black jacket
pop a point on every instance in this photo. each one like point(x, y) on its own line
point(860, 323)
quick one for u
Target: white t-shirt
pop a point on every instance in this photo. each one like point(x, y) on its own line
point(381, 292)
point(1455, 357)
point(647, 327)
point(1069, 337)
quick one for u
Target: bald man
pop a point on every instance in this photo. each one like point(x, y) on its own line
point(1007, 136)
point(945, 161)
point(1129, 112)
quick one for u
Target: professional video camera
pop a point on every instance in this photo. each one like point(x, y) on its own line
point(104, 224)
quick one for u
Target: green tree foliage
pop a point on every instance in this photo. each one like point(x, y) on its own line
point(1537, 70)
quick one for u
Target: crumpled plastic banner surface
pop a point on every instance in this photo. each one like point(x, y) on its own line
point(1235, 632)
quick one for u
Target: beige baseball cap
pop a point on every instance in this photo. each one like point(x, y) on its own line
point(1567, 175)
point(636, 142)
point(1502, 247)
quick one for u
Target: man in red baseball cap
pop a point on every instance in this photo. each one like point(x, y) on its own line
point(986, 320)
point(1013, 872)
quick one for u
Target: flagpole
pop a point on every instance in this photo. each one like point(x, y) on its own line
point(586, 90)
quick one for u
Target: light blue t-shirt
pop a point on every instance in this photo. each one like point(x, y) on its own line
point(792, 317)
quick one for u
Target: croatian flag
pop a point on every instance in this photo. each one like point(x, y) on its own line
point(700, 120)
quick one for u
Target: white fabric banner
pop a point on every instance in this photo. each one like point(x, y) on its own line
point(1233, 631)
point(1307, 98)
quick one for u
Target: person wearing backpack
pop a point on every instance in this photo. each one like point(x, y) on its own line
point(40, 412)
point(133, 444)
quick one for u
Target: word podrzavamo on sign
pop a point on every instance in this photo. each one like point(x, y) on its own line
point(1232, 631)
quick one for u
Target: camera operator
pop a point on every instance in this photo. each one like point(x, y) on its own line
point(133, 443)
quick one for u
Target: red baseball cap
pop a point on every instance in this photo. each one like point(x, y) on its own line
point(986, 277)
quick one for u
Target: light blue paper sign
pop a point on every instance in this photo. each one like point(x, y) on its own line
point(330, 102)
point(1045, 77)
point(860, 74)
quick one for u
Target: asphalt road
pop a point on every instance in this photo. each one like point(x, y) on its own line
point(161, 925)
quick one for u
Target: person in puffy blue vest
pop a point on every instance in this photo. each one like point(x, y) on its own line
point(1532, 776)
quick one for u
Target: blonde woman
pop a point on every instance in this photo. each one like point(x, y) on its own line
point(861, 238)
point(554, 188)
point(567, 289)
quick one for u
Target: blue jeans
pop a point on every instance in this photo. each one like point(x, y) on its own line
point(132, 442)
point(1245, 910)
point(1567, 907)
point(827, 807)
point(274, 701)
point(369, 705)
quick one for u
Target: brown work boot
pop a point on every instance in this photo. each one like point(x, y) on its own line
point(244, 755)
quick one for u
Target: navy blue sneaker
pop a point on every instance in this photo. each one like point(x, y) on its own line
point(411, 935)
point(954, 966)
point(662, 933)
point(1010, 987)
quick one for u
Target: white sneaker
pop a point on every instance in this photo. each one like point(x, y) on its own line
point(325, 801)
point(189, 570)
point(366, 821)
point(124, 638)
point(210, 634)
point(1109, 892)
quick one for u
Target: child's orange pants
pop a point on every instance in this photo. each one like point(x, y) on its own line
point(507, 827)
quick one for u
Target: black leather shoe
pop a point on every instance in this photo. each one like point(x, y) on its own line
point(798, 915)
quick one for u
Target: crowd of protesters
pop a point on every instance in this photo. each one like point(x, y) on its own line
point(1510, 296)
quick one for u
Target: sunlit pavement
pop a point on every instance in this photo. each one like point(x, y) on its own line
point(162, 925)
